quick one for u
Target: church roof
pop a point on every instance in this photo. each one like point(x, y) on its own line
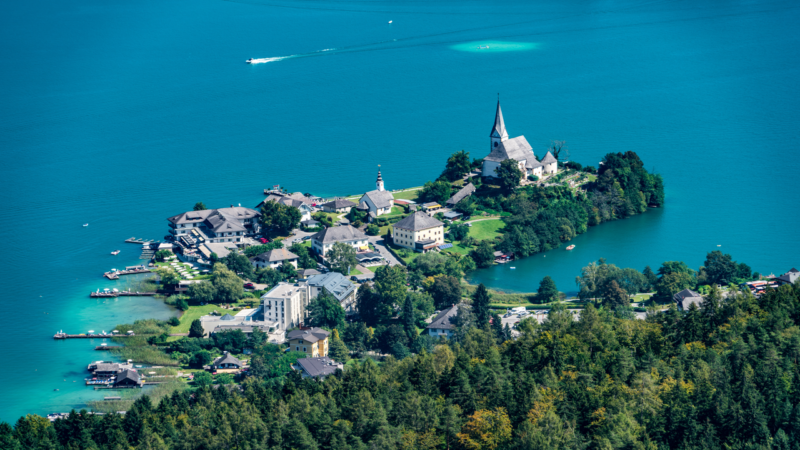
point(517, 149)
point(532, 163)
point(381, 199)
point(418, 221)
point(499, 128)
point(549, 158)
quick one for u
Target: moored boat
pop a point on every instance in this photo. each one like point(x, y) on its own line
point(570, 247)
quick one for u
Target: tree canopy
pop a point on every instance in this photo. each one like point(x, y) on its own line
point(342, 258)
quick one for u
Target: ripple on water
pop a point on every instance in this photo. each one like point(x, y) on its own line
point(494, 46)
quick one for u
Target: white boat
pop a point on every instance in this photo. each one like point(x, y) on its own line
point(86, 224)
point(390, 21)
point(249, 61)
point(512, 268)
point(115, 252)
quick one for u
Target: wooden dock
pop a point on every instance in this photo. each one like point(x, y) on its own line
point(121, 294)
point(88, 336)
point(118, 273)
point(107, 347)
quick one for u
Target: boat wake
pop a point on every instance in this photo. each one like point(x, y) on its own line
point(266, 60)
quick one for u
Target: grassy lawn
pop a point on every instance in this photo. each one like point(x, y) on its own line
point(458, 248)
point(407, 194)
point(306, 243)
point(486, 229)
point(194, 312)
point(591, 177)
point(373, 268)
point(396, 211)
point(641, 297)
point(355, 272)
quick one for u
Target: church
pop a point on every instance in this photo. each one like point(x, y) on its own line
point(518, 149)
point(377, 202)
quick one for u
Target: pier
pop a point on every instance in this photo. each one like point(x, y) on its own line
point(88, 336)
point(115, 274)
point(107, 347)
point(134, 240)
point(121, 294)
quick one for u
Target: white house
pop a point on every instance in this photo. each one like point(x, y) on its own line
point(322, 241)
point(444, 323)
point(518, 149)
point(216, 225)
point(286, 305)
point(419, 232)
point(296, 200)
point(274, 259)
point(337, 285)
point(379, 201)
point(340, 205)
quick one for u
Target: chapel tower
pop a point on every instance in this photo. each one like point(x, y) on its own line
point(379, 182)
point(499, 133)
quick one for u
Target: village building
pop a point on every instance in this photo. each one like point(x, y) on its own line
point(296, 200)
point(518, 149)
point(226, 362)
point(789, 277)
point(275, 258)
point(285, 305)
point(463, 193)
point(686, 297)
point(322, 241)
point(444, 323)
point(312, 341)
point(317, 367)
point(419, 232)
point(340, 205)
point(108, 369)
point(337, 285)
point(128, 378)
point(379, 201)
point(216, 225)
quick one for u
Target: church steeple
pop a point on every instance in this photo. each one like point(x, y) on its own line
point(499, 133)
point(379, 182)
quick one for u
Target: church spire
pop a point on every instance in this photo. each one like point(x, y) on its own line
point(499, 133)
point(379, 182)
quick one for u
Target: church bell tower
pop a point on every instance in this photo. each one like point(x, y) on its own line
point(499, 133)
point(379, 182)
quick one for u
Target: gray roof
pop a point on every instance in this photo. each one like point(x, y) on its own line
point(463, 193)
point(418, 221)
point(381, 199)
point(226, 359)
point(241, 327)
point(310, 223)
point(308, 272)
point(452, 215)
point(532, 163)
point(686, 297)
point(128, 374)
point(445, 319)
point(275, 255)
point(296, 200)
point(333, 282)
point(318, 367)
point(339, 234)
point(339, 203)
point(227, 317)
point(223, 223)
point(499, 127)
point(234, 212)
point(310, 335)
point(362, 205)
point(549, 158)
point(516, 148)
point(108, 367)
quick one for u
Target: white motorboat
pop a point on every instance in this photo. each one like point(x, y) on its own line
point(390, 21)
point(249, 61)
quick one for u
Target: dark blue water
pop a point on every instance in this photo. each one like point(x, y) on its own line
point(121, 113)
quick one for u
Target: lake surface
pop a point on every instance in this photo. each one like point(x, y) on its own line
point(120, 114)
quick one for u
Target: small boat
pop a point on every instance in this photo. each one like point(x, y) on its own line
point(86, 224)
point(512, 268)
point(570, 247)
point(390, 21)
point(115, 252)
point(249, 61)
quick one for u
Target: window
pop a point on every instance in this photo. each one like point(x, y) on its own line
point(304, 349)
point(297, 348)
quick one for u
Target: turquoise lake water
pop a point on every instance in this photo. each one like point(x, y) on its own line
point(120, 114)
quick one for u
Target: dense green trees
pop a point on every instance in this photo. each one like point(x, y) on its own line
point(726, 379)
point(482, 254)
point(279, 217)
point(480, 305)
point(304, 258)
point(508, 174)
point(721, 269)
point(457, 166)
point(548, 292)
point(326, 311)
point(200, 206)
point(342, 258)
point(437, 191)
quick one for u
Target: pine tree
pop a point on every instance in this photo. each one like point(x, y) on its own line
point(338, 350)
point(480, 305)
point(548, 292)
point(196, 330)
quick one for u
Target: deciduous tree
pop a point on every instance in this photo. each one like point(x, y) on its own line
point(548, 292)
point(509, 174)
point(342, 258)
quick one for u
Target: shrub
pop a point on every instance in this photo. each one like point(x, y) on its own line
point(174, 321)
point(533, 178)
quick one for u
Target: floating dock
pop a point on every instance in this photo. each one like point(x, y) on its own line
point(114, 275)
point(134, 240)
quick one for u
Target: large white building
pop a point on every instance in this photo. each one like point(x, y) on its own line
point(324, 240)
point(216, 225)
point(518, 149)
point(286, 305)
point(419, 232)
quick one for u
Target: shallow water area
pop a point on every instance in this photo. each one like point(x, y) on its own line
point(494, 46)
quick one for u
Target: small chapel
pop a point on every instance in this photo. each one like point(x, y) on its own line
point(518, 149)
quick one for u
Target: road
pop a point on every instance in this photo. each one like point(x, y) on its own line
point(380, 245)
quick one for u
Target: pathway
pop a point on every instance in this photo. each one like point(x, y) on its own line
point(380, 246)
point(297, 236)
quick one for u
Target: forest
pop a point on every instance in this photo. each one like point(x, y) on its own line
point(724, 376)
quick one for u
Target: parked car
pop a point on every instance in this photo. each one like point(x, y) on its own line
point(249, 286)
point(264, 240)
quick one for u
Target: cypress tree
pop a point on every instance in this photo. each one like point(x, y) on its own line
point(480, 305)
point(548, 292)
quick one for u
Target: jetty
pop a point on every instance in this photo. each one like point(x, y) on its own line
point(121, 294)
point(130, 270)
point(134, 240)
point(107, 347)
point(89, 336)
